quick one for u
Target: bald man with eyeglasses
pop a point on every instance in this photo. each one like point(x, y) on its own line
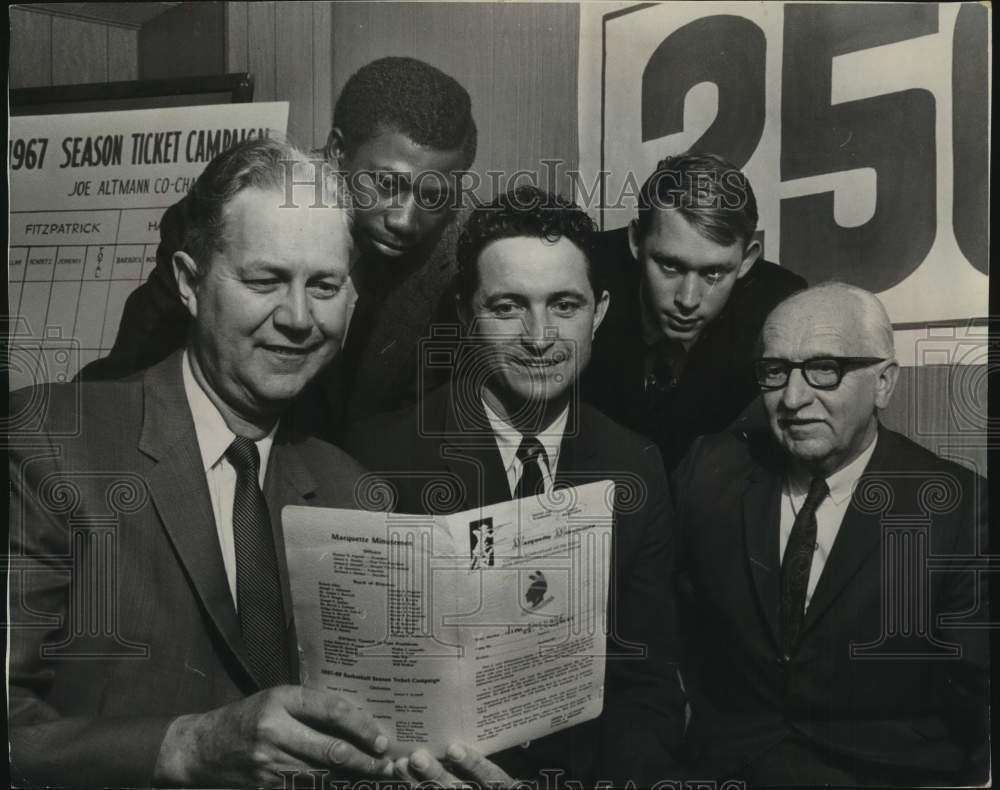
point(821, 649)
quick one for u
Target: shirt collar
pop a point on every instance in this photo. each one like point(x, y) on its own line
point(841, 483)
point(214, 436)
point(509, 439)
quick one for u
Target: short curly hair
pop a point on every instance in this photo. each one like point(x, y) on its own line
point(526, 211)
point(709, 192)
point(409, 96)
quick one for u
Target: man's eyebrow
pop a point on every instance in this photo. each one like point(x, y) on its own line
point(431, 185)
point(512, 295)
point(660, 257)
point(387, 168)
point(340, 277)
point(567, 294)
point(680, 263)
point(261, 264)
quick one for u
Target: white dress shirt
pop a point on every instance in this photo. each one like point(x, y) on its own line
point(214, 438)
point(508, 440)
point(829, 514)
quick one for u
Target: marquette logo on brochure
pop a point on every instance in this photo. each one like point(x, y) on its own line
point(481, 543)
point(535, 594)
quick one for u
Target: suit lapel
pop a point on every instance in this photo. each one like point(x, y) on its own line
point(579, 448)
point(761, 520)
point(180, 494)
point(288, 482)
point(469, 448)
point(859, 535)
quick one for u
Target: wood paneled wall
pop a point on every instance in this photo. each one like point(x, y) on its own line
point(46, 49)
point(196, 29)
point(517, 60)
point(286, 46)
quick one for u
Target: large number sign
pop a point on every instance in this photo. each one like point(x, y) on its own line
point(864, 128)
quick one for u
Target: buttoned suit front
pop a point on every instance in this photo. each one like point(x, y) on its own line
point(888, 683)
point(122, 615)
point(442, 457)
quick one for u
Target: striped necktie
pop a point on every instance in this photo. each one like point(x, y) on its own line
point(796, 564)
point(258, 588)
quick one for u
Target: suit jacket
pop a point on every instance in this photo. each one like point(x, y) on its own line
point(892, 691)
point(123, 616)
point(382, 368)
point(378, 368)
point(716, 384)
point(441, 457)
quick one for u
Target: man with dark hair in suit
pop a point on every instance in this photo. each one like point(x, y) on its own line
point(403, 134)
point(509, 425)
point(821, 649)
point(690, 294)
point(152, 638)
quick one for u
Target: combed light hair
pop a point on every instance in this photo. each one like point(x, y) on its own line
point(710, 193)
point(266, 164)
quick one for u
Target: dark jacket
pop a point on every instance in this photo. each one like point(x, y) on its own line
point(716, 384)
point(443, 459)
point(123, 617)
point(890, 676)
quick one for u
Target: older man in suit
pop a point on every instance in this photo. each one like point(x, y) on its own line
point(152, 640)
point(821, 647)
point(509, 425)
point(403, 135)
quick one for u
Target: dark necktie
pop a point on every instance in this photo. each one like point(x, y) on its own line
point(258, 589)
point(796, 564)
point(664, 364)
point(529, 454)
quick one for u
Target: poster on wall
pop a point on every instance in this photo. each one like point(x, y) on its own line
point(86, 195)
point(863, 128)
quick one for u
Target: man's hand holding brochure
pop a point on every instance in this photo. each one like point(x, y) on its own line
point(485, 627)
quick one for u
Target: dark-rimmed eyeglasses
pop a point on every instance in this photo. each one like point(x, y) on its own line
point(823, 373)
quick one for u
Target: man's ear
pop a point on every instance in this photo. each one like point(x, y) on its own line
point(600, 310)
point(335, 149)
point(187, 275)
point(751, 255)
point(633, 238)
point(885, 384)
